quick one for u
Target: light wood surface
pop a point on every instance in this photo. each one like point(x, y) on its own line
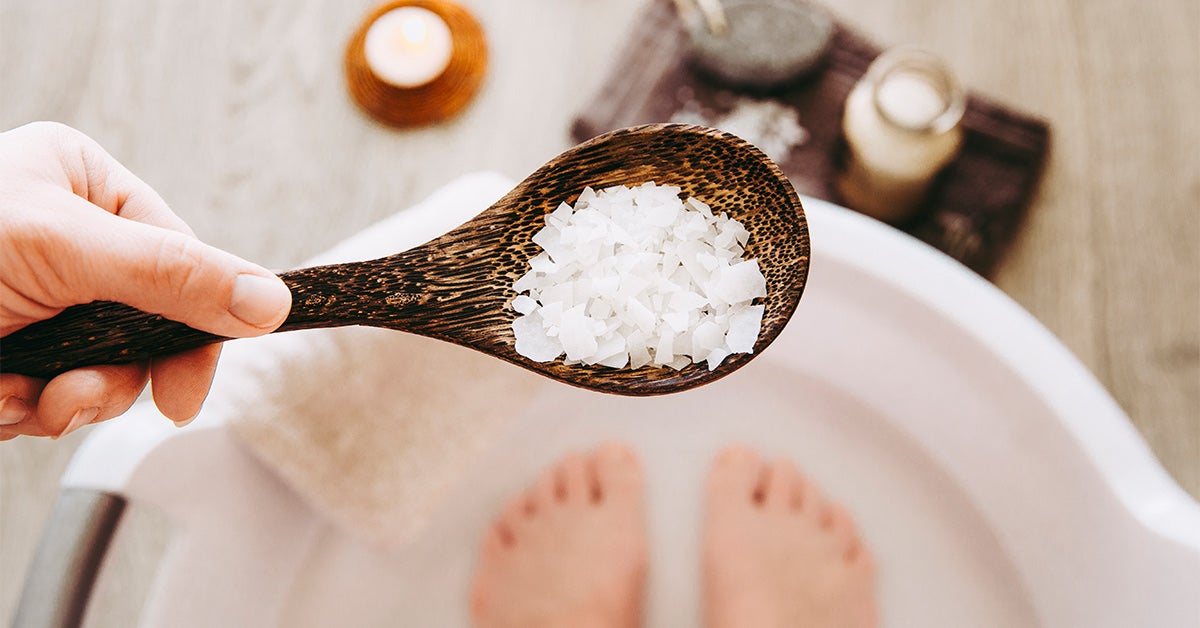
point(235, 111)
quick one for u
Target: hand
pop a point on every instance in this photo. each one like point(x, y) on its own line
point(76, 227)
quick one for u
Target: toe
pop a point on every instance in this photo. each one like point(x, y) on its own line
point(841, 525)
point(503, 532)
point(514, 516)
point(780, 479)
point(618, 474)
point(856, 553)
point(824, 514)
point(591, 475)
point(479, 604)
point(572, 477)
point(861, 558)
point(804, 495)
point(545, 489)
point(814, 507)
point(495, 542)
point(735, 475)
point(530, 502)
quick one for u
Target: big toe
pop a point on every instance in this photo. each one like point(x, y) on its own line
point(736, 475)
point(618, 472)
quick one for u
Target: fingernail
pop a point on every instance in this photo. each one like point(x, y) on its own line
point(259, 301)
point(184, 422)
point(81, 418)
point(12, 411)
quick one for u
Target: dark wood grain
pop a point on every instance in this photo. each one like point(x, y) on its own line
point(457, 287)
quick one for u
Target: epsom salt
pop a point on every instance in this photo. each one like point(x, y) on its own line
point(635, 276)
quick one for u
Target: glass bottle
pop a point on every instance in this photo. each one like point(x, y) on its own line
point(902, 125)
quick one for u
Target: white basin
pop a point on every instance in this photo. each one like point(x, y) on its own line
point(996, 481)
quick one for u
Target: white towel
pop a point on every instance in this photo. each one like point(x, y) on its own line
point(373, 427)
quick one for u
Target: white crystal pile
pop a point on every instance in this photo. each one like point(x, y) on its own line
point(635, 276)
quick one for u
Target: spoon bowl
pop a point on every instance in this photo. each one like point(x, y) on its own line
point(458, 287)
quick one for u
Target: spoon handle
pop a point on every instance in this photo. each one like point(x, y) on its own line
point(103, 332)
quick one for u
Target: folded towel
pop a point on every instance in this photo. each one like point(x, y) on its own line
point(372, 427)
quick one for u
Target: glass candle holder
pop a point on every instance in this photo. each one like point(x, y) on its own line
point(902, 126)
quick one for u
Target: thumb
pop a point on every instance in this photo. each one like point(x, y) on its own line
point(162, 271)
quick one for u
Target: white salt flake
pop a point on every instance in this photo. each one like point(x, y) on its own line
point(743, 329)
point(664, 351)
point(542, 264)
point(524, 305)
point(616, 360)
point(716, 358)
point(641, 315)
point(680, 362)
point(707, 336)
point(677, 321)
point(639, 356)
point(578, 340)
point(686, 301)
point(632, 277)
point(532, 341)
point(527, 282)
point(739, 282)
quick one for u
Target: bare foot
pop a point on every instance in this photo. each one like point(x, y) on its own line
point(571, 551)
point(778, 554)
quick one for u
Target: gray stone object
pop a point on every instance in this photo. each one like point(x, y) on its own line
point(768, 42)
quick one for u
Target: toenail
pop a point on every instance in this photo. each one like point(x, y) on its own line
point(616, 451)
point(736, 453)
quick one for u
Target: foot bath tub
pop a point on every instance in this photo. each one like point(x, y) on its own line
point(996, 482)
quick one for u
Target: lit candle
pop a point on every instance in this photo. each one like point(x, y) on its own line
point(408, 46)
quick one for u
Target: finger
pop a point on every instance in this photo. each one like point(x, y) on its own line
point(180, 382)
point(165, 272)
point(175, 276)
point(88, 395)
point(18, 398)
point(28, 428)
point(98, 177)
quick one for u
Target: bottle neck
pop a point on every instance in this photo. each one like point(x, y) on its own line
point(914, 91)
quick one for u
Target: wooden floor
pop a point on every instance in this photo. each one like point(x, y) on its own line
point(234, 110)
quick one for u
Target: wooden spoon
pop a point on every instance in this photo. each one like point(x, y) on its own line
point(457, 287)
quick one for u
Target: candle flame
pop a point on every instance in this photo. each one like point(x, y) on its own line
point(414, 31)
